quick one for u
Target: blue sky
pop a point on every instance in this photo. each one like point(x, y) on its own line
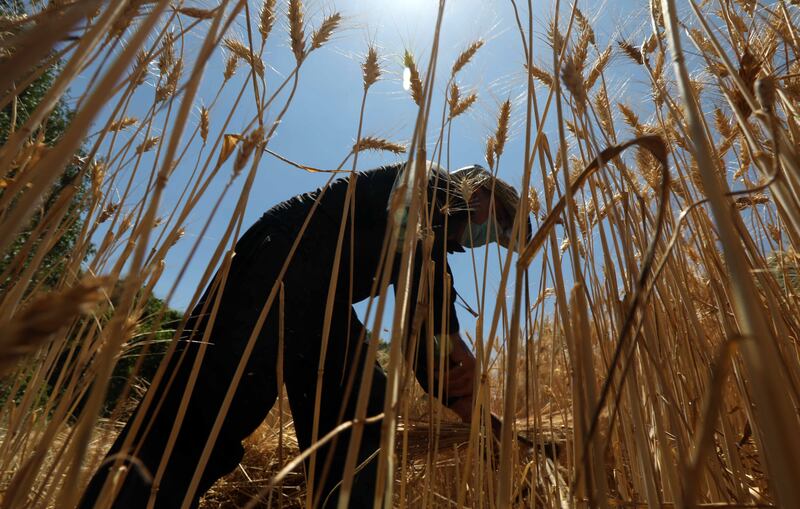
point(321, 124)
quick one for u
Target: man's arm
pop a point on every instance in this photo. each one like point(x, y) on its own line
point(439, 318)
point(460, 384)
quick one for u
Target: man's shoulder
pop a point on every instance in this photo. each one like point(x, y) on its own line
point(378, 179)
point(389, 171)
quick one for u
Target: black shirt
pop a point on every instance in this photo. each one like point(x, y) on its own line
point(308, 276)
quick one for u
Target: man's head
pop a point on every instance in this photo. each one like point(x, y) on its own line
point(490, 205)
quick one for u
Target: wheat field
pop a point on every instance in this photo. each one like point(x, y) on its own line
point(641, 349)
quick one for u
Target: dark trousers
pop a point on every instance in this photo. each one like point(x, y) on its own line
point(257, 392)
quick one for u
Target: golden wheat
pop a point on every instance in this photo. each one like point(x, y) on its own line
point(643, 343)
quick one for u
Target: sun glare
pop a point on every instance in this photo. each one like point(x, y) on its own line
point(413, 5)
point(400, 10)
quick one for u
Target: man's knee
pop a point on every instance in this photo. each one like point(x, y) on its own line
point(223, 461)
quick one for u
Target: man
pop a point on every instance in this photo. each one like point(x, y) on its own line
point(462, 205)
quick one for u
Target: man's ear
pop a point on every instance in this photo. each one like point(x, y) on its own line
point(474, 202)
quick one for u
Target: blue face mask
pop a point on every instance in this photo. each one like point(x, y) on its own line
point(476, 235)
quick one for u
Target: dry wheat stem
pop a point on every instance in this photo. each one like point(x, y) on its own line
point(686, 311)
point(774, 415)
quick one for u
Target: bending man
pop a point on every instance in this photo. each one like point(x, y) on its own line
point(462, 204)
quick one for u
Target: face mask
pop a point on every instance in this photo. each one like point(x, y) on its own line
point(476, 235)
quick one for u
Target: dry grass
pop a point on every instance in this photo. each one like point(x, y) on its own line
point(652, 325)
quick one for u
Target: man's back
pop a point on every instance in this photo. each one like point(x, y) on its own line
point(312, 263)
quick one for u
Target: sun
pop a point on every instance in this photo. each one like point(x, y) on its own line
point(395, 11)
point(415, 5)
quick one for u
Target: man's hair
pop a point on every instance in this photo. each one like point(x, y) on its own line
point(452, 190)
point(467, 180)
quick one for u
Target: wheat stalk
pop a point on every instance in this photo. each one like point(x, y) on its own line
point(325, 30)
point(541, 75)
point(415, 83)
point(45, 316)
point(375, 143)
point(296, 30)
point(266, 19)
point(465, 57)
point(196, 13)
point(549, 349)
point(573, 80)
point(597, 68)
point(122, 123)
point(463, 105)
point(148, 144)
point(631, 51)
point(242, 52)
point(231, 63)
point(371, 71)
point(204, 124)
point(501, 133)
point(491, 151)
